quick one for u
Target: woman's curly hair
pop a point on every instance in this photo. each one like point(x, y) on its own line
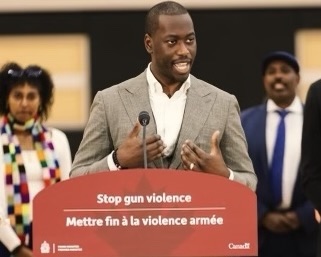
point(13, 75)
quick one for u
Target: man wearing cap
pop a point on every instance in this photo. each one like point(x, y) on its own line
point(286, 224)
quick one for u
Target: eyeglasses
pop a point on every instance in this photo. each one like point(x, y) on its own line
point(29, 73)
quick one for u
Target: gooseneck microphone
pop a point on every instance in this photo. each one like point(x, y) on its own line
point(144, 118)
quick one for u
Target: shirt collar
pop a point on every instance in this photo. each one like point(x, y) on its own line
point(294, 107)
point(156, 88)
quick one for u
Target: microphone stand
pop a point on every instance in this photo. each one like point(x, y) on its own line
point(144, 118)
point(144, 145)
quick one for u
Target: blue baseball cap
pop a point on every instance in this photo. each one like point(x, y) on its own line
point(280, 55)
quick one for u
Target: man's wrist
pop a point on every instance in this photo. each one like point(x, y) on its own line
point(115, 160)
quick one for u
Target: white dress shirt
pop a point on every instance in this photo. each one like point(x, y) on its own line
point(168, 112)
point(292, 152)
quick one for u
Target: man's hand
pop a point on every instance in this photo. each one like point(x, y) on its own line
point(130, 152)
point(281, 222)
point(194, 158)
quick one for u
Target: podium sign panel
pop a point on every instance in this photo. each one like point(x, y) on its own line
point(146, 213)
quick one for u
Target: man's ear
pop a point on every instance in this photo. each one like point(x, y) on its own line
point(148, 44)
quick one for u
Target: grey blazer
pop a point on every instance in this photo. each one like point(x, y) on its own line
point(114, 112)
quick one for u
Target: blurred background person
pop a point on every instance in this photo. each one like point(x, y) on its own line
point(273, 130)
point(32, 156)
point(311, 145)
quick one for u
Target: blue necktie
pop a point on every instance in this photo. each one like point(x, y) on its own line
point(277, 160)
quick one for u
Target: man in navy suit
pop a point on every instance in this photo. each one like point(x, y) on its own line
point(286, 227)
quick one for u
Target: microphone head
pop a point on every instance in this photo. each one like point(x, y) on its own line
point(143, 118)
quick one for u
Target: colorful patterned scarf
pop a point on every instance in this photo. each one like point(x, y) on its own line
point(15, 174)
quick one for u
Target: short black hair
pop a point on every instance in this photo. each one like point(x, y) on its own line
point(12, 75)
point(162, 8)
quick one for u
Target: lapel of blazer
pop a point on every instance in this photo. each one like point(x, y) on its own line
point(199, 103)
point(261, 137)
point(135, 98)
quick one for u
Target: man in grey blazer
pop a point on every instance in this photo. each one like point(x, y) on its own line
point(193, 125)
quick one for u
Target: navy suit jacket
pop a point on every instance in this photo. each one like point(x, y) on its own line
point(253, 122)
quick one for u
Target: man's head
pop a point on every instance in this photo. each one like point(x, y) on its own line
point(281, 77)
point(171, 42)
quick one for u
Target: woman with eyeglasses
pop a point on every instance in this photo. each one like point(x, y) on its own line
point(32, 156)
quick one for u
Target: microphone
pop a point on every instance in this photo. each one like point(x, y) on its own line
point(144, 118)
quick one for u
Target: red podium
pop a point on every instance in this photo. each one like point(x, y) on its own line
point(145, 213)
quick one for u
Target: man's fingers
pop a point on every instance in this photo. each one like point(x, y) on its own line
point(135, 131)
point(215, 143)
